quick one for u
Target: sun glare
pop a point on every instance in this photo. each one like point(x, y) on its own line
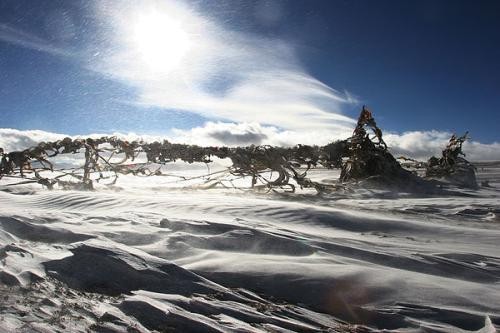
point(161, 41)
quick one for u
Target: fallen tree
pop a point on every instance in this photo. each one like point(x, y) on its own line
point(369, 157)
point(451, 167)
point(100, 162)
point(360, 157)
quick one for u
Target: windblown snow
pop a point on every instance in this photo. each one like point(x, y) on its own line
point(149, 257)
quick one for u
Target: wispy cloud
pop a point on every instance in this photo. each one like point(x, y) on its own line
point(21, 38)
point(225, 75)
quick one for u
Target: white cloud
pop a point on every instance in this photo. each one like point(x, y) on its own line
point(255, 85)
point(15, 140)
point(241, 134)
point(477, 151)
point(423, 144)
point(418, 144)
point(225, 74)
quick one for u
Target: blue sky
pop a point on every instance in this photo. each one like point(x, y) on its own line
point(80, 67)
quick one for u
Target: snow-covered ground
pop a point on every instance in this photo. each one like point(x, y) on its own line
point(151, 257)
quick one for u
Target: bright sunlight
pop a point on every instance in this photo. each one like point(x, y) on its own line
point(161, 41)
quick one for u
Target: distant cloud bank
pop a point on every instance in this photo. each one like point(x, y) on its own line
point(416, 144)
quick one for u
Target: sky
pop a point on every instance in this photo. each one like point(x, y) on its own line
point(243, 71)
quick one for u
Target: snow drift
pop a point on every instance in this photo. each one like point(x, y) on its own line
point(148, 257)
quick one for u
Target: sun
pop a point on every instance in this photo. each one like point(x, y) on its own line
point(161, 41)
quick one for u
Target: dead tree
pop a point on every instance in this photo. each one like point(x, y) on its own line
point(362, 156)
point(368, 157)
point(451, 166)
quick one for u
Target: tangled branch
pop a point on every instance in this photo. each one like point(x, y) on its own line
point(99, 155)
point(106, 158)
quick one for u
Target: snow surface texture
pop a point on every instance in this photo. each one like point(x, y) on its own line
point(152, 257)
